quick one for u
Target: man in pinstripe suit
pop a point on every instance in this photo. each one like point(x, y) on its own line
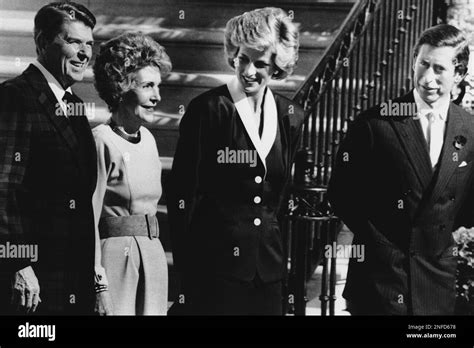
point(48, 172)
point(402, 184)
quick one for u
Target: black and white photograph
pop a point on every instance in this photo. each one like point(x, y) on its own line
point(301, 167)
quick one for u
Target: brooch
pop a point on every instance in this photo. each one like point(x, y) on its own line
point(459, 142)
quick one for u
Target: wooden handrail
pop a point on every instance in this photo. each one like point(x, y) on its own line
point(350, 29)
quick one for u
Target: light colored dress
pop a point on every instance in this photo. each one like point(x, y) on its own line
point(129, 183)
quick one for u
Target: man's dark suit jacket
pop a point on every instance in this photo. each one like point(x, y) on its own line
point(48, 176)
point(214, 232)
point(403, 212)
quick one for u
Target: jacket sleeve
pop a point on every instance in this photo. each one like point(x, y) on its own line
point(183, 182)
point(350, 177)
point(15, 140)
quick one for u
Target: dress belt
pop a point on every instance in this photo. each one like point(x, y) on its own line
point(133, 225)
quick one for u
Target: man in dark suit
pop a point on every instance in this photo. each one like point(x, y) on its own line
point(402, 186)
point(48, 172)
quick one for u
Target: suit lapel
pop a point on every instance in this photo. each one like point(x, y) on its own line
point(414, 144)
point(241, 103)
point(271, 123)
point(451, 157)
point(55, 113)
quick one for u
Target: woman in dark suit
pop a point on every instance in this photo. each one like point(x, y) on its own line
point(232, 162)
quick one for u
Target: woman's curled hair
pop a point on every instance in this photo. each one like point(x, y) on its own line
point(118, 61)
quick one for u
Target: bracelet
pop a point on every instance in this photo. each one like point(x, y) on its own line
point(100, 288)
point(101, 284)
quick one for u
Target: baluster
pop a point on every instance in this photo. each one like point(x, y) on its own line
point(301, 240)
point(397, 50)
point(418, 20)
point(315, 141)
point(314, 131)
point(345, 97)
point(391, 50)
point(351, 85)
point(337, 121)
point(370, 34)
point(288, 280)
point(411, 43)
point(305, 130)
point(403, 47)
point(387, 46)
point(431, 13)
point(377, 88)
point(424, 16)
point(332, 230)
point(363, 77)
point(358, 76)
point(329, 96)
point(319, 157)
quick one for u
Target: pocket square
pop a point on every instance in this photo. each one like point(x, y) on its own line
point(463, 164)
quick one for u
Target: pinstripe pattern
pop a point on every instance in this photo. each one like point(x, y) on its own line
point(403, 211)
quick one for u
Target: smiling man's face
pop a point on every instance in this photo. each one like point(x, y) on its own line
point(68, 55)
point(434, 73)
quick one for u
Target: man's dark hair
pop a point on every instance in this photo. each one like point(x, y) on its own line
point(50, 18)
point(443, 35)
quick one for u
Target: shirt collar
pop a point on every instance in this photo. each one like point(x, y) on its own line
point(440, 109)
point(55, 86)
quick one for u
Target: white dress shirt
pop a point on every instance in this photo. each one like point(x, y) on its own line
point(433, 122)
point(55, 86)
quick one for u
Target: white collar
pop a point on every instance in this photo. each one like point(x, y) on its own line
point(242, 104)
point(55, 86)
point(440, 108)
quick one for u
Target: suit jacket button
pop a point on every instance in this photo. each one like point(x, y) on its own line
point(257, 199)
point(257, 222)
point(258, 179)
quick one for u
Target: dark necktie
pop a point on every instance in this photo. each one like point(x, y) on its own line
point(74, 105)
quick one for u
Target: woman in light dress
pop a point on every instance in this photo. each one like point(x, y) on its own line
point(131, 267)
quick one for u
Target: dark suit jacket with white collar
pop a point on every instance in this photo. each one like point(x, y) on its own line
point(48, 176)
point(211, 205)
point(403, 212)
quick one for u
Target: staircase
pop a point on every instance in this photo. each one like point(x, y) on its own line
point(192, 33)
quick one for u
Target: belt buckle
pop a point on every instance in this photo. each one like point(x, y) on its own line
point(151, 228)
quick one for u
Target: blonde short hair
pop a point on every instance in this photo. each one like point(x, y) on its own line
point(261, 29)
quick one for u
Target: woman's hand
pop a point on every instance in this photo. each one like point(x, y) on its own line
point(103, 303)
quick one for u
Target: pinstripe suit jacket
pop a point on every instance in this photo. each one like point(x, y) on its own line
point(403, 212)
point(48, 176)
